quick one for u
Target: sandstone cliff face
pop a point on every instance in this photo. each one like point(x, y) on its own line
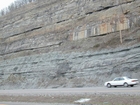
point(69, 43)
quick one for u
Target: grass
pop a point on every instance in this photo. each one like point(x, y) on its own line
point(96, 99)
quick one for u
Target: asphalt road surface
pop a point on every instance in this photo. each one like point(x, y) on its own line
point(124, 90)
point(24, 103)
point(61, 91)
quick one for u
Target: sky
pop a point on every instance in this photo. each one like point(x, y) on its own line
point(5, 3)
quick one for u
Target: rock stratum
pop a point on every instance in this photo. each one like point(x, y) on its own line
point(69, 43)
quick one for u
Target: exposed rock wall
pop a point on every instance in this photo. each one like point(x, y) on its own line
point(69, 43)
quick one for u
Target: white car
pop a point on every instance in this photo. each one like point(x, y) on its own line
point(121, 81)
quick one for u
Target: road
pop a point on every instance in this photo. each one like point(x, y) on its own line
point(68, 91)
point(24, 103)
point(128, 90)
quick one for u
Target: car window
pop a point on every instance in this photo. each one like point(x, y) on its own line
point(121, 79)
point(116, 79)
point(127, 77)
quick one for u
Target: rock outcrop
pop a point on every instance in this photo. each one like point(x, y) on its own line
point(69, 43)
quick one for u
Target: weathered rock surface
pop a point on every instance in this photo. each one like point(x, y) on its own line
point(69, 43)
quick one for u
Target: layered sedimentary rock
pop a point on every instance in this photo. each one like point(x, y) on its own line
point(69, 43)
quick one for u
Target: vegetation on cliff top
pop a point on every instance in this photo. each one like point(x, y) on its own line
point(15, 5)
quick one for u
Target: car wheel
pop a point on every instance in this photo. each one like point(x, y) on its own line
point(109, 85)
point(131, 85)
point(125, 84)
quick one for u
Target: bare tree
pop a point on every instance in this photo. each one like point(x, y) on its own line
point(15, 5)
point(2, 12)
point(11, 7)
